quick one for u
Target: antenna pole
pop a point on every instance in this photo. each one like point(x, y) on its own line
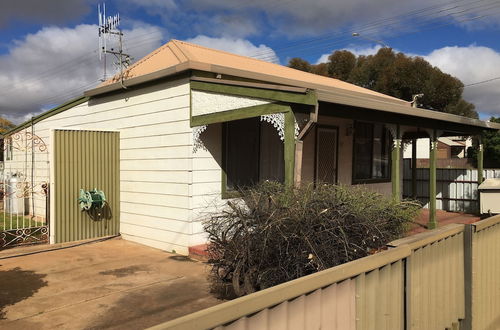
point(108, 26)
point(121, 59)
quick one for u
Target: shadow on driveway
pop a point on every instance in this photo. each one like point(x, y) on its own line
point(113, 284)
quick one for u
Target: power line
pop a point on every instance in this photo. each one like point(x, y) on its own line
point(440, 11)
point(482, 82)
point(314, 49)
point(328, 40)
point(68, 67)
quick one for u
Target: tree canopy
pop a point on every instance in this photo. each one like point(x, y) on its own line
point(5, 125)
point(395, 74)
point(491, 145)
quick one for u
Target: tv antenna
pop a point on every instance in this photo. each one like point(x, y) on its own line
point(108, 29)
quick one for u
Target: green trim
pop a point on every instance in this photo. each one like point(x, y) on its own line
point(395, 171)
point(289, 152)
point(54, 111)
point(432, 182)
point(241, 113)
point(480, 161)
point(309, 98)
point(395, 165)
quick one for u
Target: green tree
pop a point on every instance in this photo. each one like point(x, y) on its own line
point(5, 125)
point(491, 145)
point(398, 75)
point(320, 69)
point(340, 64)
point(402, 76)
point(462, 108)
point(299, 64)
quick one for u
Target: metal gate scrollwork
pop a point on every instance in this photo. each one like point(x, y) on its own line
point(24, 191)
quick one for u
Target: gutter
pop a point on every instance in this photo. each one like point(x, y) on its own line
point(54, 111)
point(331, 95)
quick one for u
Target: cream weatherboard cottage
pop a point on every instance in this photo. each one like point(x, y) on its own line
point(186, 125)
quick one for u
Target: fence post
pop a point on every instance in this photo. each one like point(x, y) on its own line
point(432, 181)
point(466, 324)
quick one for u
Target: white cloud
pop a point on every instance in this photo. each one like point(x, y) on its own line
point(55, 64)
point(472, 64)
point(237, 46)
point(304, 17)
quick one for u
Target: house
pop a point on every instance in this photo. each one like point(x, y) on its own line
point(174, 136)
point(451, 152)
point(448, 148)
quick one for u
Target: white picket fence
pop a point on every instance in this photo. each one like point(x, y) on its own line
point(456, 188)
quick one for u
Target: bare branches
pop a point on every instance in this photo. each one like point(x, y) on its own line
point(280, 234)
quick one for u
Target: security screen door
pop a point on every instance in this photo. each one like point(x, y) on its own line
point(326, 154)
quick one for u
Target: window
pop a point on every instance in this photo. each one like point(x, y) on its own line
point(253, 153)
point(371, 154)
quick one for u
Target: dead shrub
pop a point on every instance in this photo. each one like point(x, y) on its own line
point(275, 234)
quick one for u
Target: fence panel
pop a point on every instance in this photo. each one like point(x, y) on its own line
point(486, 274)
point(457, 189)
point(367, 293)
point(435, 278)
point(442, 279)
point(380, 298)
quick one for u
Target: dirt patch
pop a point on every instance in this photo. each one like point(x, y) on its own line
point(17, 285)
point(126, 271)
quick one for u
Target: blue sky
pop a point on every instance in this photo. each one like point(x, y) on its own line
point(48, 49)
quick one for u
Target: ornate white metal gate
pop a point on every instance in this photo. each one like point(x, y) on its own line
point(24, 191)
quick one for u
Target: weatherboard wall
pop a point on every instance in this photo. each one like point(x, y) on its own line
point(155, 158)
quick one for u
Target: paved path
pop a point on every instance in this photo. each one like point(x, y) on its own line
point(114, 284)
point(443, 218)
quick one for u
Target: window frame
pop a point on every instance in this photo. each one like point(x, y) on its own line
point(388, 179)
point(231, 193)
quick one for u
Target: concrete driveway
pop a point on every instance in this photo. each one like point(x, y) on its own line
point(113, 284)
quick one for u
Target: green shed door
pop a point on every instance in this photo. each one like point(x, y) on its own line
point(85, 160)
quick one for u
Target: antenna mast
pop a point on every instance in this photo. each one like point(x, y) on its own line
point(108, 28)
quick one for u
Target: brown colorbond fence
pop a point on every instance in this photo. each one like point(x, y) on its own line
point(448, 278)
point(484, 294)
point(435, 278)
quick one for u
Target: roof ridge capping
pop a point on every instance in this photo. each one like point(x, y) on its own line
point(193, 58)
point(226, 52)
